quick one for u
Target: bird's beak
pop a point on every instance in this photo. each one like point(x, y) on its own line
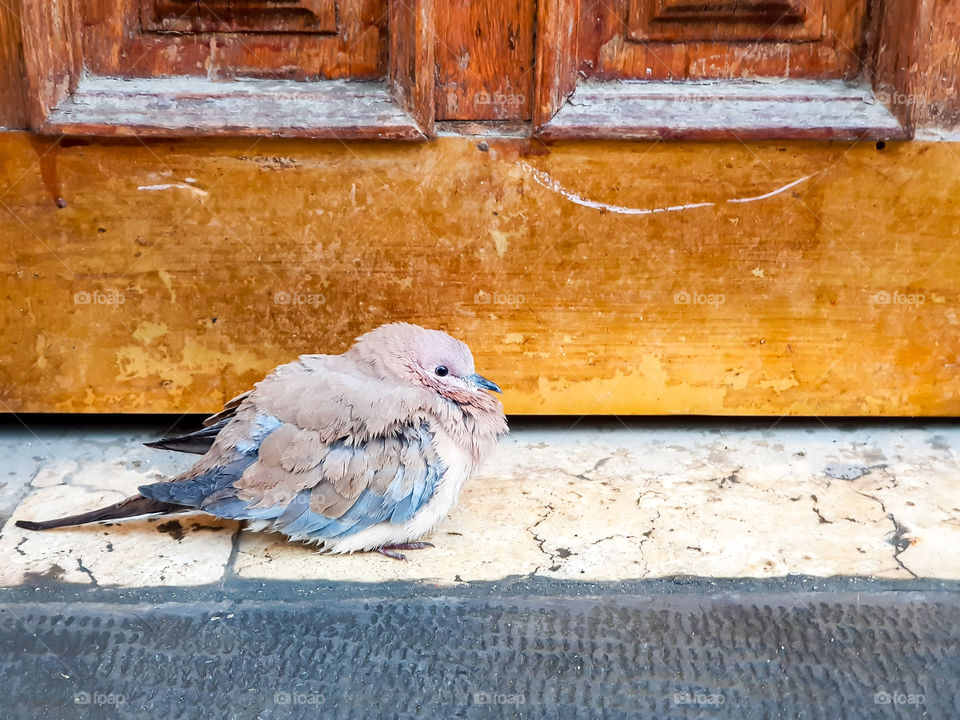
point(484, 384)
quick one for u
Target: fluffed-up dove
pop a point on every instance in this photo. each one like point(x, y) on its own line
point(367, 450)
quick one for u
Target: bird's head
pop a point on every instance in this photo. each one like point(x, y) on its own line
point(427, 358)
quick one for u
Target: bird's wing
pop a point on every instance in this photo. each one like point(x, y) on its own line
point(229, 410)
point(200, 441)
point(319, 453)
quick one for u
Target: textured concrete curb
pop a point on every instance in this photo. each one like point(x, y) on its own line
point(660, 650)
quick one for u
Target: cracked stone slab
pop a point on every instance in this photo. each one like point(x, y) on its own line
point(571, 500)
point(168, 551)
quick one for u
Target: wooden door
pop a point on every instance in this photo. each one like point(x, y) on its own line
point(562, 68)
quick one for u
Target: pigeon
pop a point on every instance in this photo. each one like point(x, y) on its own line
point(363, 451)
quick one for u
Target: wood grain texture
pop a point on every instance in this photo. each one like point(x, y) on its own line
point(13, 110)
point(114, 44)
point(917, 62)
point(411, 60)
point(556, 63)
point(757, 279)
point(607, 53)
point(52, 54)
point(484, 59)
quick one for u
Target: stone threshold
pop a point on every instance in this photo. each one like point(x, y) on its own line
point(581, 500)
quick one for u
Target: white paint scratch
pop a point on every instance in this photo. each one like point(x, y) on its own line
point(548, 182)
point(544, 179)
point(170, 186)
point(772, 192)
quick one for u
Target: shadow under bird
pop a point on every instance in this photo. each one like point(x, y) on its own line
point(367, 450)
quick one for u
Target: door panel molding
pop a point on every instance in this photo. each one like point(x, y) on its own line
point(93, 75)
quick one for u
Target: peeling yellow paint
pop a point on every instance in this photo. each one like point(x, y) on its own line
point(598, 326)
point(166, 279)
point(148, 331)
point(41, 348)
point(501, 241)
point(778, 384)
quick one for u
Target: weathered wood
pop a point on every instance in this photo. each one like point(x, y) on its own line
point(13, 110)
point(702, 110)
point(115, 45)
point(724, 21)
point(52, 54)
point(606, 51)
point(411, 60)
point(917, 62)
point(225, 16)
point(722, 278)
point(556, 64)
point(162, 107)
point(484, 58)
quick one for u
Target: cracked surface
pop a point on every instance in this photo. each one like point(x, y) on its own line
point(602, 501)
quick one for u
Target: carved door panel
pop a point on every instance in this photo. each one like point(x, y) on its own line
point(725, 20)
point(689, 39)
point(467, 61)
point(219, 39)
point(189, 16)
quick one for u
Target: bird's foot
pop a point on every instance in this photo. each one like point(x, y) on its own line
point(391, 550)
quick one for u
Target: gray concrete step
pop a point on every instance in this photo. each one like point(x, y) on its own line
point(789, 648)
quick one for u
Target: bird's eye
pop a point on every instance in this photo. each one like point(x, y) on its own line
point(441, 370)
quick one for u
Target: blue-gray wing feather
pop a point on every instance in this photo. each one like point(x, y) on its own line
point(283, 475)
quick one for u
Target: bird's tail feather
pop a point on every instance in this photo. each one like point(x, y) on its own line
point(131, 507)
point(196, 442)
